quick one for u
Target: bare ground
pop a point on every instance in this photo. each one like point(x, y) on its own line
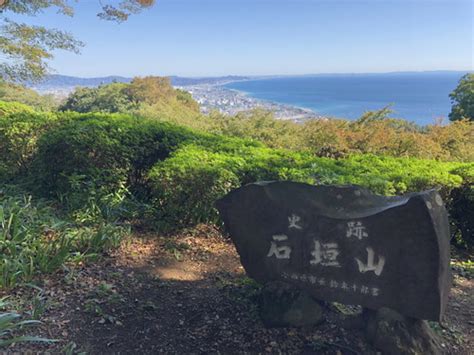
point(188, 294)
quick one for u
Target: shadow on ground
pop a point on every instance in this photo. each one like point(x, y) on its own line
point(186, 295)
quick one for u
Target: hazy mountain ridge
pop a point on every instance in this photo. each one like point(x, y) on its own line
point(65, 82)
point(56, 81)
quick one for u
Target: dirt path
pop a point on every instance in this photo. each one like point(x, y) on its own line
point(189, 294)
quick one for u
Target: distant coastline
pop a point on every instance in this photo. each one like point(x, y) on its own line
point(231, 101)
point(420, 97)
point(307, 112)
point(210, 93)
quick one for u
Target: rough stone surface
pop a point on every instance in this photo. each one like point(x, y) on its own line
point(345, 244)
point(395, 334)
point(282, 306)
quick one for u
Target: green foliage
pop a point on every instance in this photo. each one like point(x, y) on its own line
point(102, 154)
point(144, 92)
point(186, 185)
point(173, 111)
point(373, 133)
point(150, 89)
point(391, 176)
point(112, 167)
point(121, 11)
point(175, 248)
point(260, 125)
point(371, 116)
point(105, 161)
point(8, 108)
point(34, 239)
point(109, 98)
point(17, 93)
point(453, 142)
point(20, 129)
point(464, 268)
point(151, 97)
point(461, 207)
point(26, 49)
point(10, 323)
point(462, 99)
point(33, 7)
point(187, 100)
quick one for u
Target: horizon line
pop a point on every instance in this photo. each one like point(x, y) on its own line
point(268, 75)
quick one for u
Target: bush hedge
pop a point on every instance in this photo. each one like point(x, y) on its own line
point(8, 108)
point(20, 129)
point(179, 173)
point(185, 186)
point(101, 151)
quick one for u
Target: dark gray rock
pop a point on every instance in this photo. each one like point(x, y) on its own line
point(282, 305)
point(345, 244)
point(395, 334)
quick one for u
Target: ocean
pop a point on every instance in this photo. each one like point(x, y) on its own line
point(417, 97)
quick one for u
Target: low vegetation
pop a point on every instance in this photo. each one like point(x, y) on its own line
point(11, 322)
point(373, 133)
point(73, 182)
point(10, 92)
point(35, 239)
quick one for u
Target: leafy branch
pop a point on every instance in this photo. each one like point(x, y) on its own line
point(25, 49)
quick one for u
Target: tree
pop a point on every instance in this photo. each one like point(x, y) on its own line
point(109, 98)
point(378, 115)
point(10, 92)
point(141, 93)
point(462, 99)
point(150, 89)
point(26, 48)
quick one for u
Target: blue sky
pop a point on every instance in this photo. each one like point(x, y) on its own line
point(264, 37)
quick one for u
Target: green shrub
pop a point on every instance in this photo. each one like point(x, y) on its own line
point(105, 98)
point(8, 108)
point(186, 185)
point(102, 154)
point(110, 166)
point(16, 93)
point(461, 207)
point(20, 130)
point(105, 152)
point(394, 176)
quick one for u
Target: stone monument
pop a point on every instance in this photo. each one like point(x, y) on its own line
point(345, 244)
